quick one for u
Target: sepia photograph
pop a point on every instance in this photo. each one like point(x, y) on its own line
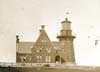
point(49, 36)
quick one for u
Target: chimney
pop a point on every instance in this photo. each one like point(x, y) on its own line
point(42, 28)
point(17, 39)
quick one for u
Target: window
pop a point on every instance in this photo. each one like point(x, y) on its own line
point(23, 58)
point(48, 50)
point(48, 58)
point(30, 58)
point(62, 43)
point(39, 58)
point(39, 49)
point(43, 40)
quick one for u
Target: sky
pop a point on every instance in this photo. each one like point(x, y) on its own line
point(24, 18)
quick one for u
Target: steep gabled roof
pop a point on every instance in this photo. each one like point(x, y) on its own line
point(25, 47)
point(43, 41)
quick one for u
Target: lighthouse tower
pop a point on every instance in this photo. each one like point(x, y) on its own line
point(66, 40)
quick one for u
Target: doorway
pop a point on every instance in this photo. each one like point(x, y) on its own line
point(57, 59)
